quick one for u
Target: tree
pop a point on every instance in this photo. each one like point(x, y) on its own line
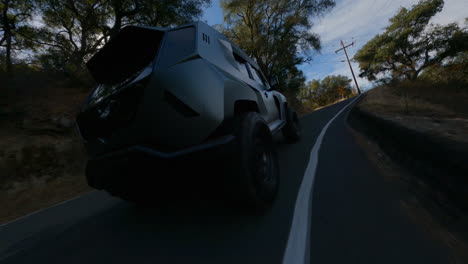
point(154, 13)
point(76, 29)
point(455, 69)
point(14, 18)
point(329, 90)
point(72, 31)
point(122, 10)
point(277, 33)
point(335, 87)
point(410, 44)
point(171, 12)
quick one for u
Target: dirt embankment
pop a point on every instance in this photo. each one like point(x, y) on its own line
point(41, 155)
point(426, 206)
point(417, 137)
point(441, 113)
point(426, 137)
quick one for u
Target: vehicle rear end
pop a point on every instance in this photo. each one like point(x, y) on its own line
point(122, 70)
point(157, 104)
point(109, 119)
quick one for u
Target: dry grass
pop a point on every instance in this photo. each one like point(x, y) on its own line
point(304, 110)
point(340, 100)
point(442, 112)
point(384, 100)
point(37, 193)
point(37, 171)
point(41, 162)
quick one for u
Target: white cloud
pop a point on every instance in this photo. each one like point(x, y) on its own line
point(454, 11)
point(359, 21)
point(363, 18)
point(37, 21)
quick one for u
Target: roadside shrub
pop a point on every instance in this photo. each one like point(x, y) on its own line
point(452, 94)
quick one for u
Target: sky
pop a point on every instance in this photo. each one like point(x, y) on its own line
point(352, 21)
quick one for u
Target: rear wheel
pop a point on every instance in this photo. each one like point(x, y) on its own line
point(292, 129)
point(254, 178)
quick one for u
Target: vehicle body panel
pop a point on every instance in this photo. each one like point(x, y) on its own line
point(189, 90)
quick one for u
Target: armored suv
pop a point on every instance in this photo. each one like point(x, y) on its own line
point(164, 95)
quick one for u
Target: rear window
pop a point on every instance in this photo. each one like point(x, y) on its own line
point(125, 55)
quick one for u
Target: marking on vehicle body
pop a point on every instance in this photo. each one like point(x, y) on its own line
point(296, 250)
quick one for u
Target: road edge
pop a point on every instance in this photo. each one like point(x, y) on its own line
point(439, 162)
point(297, 251)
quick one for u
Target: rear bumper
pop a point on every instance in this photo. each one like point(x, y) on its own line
point(134, 163)
point(210, 145)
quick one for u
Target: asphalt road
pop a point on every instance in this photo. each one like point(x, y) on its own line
point(348, 214)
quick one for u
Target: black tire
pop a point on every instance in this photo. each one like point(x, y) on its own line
point(254, 170)
point(292, 129)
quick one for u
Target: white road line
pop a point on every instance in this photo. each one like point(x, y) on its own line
point(43, 209)
point(296, 251)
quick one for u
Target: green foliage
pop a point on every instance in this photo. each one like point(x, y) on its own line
point(72, 30)
point(276, 33)
point(454, 70)
point(410, 44)
point(154, 13)
point(65, 33)
point(15, 16)
point(318, 93)
point(167, 13)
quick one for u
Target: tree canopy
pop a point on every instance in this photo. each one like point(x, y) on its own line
point(277, 33)
point(72, 30)
point(323, 92)
point(411, 44)
point(61, 35)
point(15, 16)
point(64, 33)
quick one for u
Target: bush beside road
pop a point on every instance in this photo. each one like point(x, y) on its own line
point(41, 155)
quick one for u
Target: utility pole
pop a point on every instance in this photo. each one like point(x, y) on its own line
point(349, 63)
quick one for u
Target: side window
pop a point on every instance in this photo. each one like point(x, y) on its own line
point(243, 66)
point(257, 76)
point(179, 44)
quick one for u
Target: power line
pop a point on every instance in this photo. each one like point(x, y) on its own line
point(349, 63)
point(316, 62)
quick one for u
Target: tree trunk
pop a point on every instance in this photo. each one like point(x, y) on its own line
point(116, 6)
point(8, 38)
point(8, 64)
point(117, 25)
point(120, 13)
point(414, 74)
